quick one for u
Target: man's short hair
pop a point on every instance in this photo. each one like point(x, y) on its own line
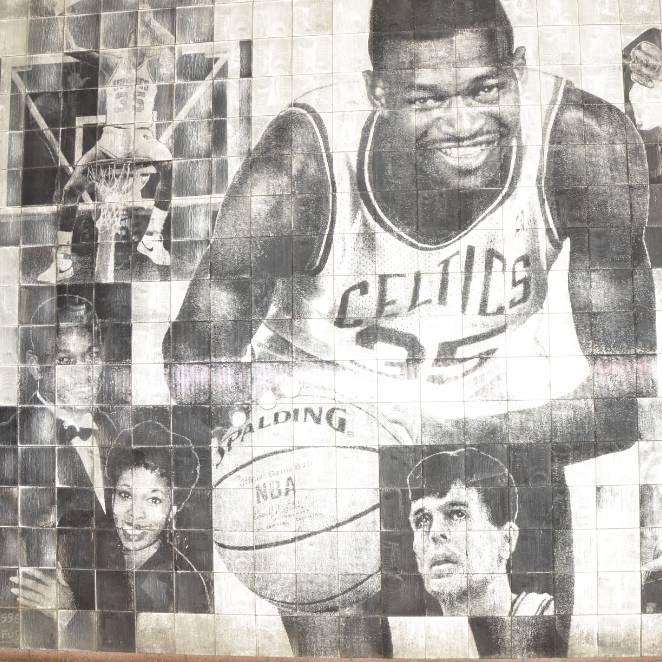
point(429, 19)
point(435, 474)
point(62, 311)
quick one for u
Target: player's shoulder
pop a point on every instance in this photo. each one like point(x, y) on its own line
point(297, 129)
point(293, 156)
point(589, 133)
point(585, 118)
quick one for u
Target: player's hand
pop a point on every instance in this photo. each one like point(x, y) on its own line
point(645, 64)
point(39, 589)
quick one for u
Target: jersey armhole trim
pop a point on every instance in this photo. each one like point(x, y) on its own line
point(544, 606)
point(548, 126)
point(320, 256)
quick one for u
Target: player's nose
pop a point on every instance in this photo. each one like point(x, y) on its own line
point(439, 531)
point(463, 122)
point(439, 536)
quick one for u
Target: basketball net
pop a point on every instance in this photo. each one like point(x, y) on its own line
point(114, 188)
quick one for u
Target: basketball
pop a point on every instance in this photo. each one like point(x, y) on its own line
point(296, 503)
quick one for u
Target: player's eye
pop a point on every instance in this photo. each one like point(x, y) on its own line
point(426, 103)
point(155, 500)
point(422, 520)
point(125, 495)
point(458, 514)
point(488, 93)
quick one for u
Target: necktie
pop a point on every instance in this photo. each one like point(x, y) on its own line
point(66, 433)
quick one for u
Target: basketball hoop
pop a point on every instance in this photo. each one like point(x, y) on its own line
point(114, 186)
point(113, 182)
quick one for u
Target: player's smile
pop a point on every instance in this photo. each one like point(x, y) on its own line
point(133, 534)
point(465, 154)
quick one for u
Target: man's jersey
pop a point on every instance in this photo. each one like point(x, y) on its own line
point(533, 604)
point(481, 318)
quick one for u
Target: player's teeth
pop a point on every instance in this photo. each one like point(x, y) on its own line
point(466, 151)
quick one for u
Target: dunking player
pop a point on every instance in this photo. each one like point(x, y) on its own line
point(475, 244)
point(127, 141)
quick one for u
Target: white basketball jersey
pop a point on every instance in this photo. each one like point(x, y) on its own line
point(476, 325)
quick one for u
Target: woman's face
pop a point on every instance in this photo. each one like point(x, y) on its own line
point(142, 505)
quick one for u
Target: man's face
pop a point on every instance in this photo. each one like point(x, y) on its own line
point(453, 539)
point(142, 505)
point(77, 366)
point(456, 99)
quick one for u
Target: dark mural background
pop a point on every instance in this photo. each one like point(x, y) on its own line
point(329, 328)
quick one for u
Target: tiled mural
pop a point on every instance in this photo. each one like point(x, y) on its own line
point(328, 327)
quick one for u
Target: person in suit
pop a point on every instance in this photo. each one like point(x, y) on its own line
point(64, 435)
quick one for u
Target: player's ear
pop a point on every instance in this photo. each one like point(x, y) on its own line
point(519, 57)
point(374, 88)
point(32, 362)
point(510, 532)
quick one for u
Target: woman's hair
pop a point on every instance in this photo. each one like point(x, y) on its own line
point(150, 445)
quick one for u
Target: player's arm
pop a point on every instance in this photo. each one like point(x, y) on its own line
point(77, 184)
point(597, 183)
point(268, 228)
point(163, 195)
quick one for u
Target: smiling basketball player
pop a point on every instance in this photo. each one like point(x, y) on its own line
point(470, 249)
point(486, 227)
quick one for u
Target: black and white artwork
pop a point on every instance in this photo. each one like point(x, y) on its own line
point(329, 328)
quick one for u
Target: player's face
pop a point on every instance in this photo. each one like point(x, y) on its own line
point(457, 102)
point(142, 505)
point(77, 366)
point(453, 538)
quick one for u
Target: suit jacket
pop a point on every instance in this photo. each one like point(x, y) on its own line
point(48, 459)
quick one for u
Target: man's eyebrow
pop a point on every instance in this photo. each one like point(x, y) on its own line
point(497, 73)
point(426, 87)
point(474, 82)
point(457, 502)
